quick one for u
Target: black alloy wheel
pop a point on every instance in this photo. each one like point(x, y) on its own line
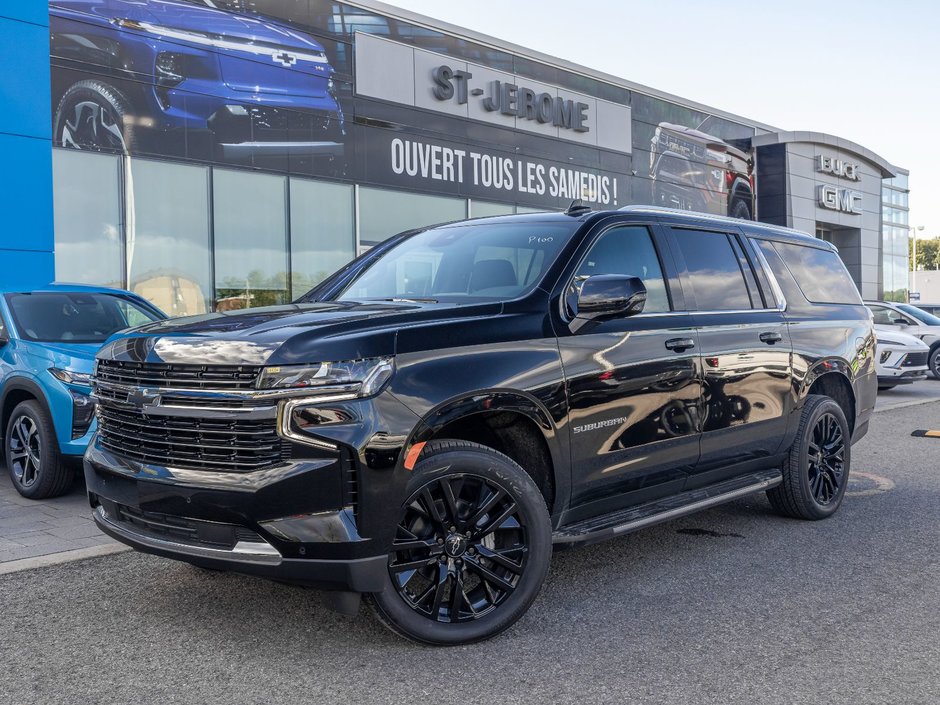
point(461, 549)
point(471, 550)
point(25, 451)
point(816, 472)
point(826, 460)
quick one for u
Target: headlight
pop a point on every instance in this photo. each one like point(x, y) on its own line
point(79, 379)
point(369, 375)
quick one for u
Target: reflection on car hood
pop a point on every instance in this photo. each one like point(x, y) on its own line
point(294, 334)
point(78, 357)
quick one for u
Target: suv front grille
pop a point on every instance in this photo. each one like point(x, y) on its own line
point(918, 359)
point(161, 375)
point(222, 445)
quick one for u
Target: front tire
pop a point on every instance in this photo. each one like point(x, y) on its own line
point(94, 115)
point(816, 472)
point(32, 453)
point(933, 360)
point(472, 549)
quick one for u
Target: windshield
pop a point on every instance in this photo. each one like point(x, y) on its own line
point(468, 262)
point(920, 315)
point(75, 317)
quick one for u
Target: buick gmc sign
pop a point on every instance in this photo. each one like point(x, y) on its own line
point(510, 99)
point(403, 74)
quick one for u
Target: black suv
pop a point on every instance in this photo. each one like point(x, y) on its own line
point(426, 425)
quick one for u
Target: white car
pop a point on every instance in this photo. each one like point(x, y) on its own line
point(902, 358)
point(908, 319)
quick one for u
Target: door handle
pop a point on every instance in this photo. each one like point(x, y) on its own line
point(771, 337)
point(680, 344)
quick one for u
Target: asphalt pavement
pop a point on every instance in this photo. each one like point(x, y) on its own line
point(735, 605)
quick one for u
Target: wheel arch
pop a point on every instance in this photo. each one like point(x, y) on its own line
point(511, 422)
point(832, 378)
point(15, 391)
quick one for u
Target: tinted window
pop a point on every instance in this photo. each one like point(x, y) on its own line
point(920, 314)
point(3, 329)
point(820, 274)
point(479, 261)
point(714, 268)
point(629, 251)
point(75, 317)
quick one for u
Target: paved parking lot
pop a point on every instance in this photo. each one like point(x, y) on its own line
point(732, 606)
point(37, 533)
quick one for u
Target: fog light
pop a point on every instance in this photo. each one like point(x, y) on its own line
point(884, 356)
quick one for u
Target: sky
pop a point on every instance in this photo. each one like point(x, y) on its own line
point(864, 70)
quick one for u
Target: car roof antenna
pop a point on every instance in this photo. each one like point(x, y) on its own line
point(577, 207)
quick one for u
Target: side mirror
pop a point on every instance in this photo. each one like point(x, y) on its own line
point(900, 321)
point(606, 296)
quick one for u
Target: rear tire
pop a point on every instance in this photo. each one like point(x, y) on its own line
point(472, 549)
point(816, 472)
point(740, 209)
point(32, 453)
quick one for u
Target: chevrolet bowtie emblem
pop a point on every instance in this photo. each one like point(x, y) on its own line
point(141, 398)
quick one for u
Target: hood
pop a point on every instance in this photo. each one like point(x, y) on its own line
point(286, 335)
point(77, 357)
point(889, 335)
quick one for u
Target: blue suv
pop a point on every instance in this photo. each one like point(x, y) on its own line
point(183, 77)
point(48, 342)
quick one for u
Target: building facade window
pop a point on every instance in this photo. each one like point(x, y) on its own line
point(383, 213)
point(323, 231)
point(89, 243)
point(169, 261)
point(895, 238)
point(251, 261)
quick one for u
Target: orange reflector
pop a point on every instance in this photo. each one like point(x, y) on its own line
point(412, 456)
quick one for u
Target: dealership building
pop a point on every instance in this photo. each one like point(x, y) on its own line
point(232, 153)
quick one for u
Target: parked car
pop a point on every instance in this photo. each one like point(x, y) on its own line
point(427, 423)
point(902, 358)
point(911, 320)
point(48, 341)
point(188, 78)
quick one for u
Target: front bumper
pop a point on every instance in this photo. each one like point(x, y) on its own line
point(901, 377)
point(286, 524)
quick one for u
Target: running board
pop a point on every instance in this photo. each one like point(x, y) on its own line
point(635, 518)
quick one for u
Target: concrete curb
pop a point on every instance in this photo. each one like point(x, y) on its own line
point(906, 404)
point(79, 554)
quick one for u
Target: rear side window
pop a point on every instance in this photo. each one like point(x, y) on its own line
point(715, 271)
point(820, 274)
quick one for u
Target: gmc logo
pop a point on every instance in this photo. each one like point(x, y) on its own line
point(838, 199)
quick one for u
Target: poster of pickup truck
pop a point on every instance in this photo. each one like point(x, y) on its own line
point(188, 79)
point(693, 170)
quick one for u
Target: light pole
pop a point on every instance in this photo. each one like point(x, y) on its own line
point(914, 231)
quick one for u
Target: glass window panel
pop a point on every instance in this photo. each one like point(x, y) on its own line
point(385, 213)
point(250, 216)
point(323, 236)
point(714, 271)
point(168, 254)
point(88, 239)
point(526, 209)
point(629, 251)
point(820, 274)
point(485, 209)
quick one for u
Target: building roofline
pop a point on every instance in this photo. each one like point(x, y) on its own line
point(505, 45)
point(887, 170)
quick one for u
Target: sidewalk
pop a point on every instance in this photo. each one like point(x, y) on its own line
point(32, 532)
